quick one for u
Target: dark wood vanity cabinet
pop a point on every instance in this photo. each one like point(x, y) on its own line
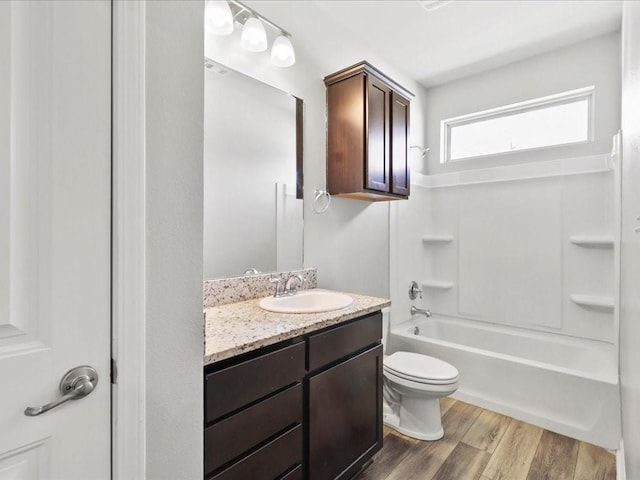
point(345, 398)
point(254, 411)
point(308, 408)
point(367, 135)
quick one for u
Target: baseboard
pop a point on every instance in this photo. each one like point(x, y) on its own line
point(621, 472)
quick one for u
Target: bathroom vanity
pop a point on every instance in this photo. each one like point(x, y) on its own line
point(292, 396)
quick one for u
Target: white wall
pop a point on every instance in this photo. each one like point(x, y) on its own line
point(593, 62)
point(174, 342)
point(511, 261)
point(5, 152)
point(349, 244)
point(630, 265)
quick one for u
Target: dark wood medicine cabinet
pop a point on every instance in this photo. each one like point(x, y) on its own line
point(367, 135)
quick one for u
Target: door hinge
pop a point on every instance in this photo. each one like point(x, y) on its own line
point(114, 372)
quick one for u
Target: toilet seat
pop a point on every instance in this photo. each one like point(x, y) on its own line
point(420, 368)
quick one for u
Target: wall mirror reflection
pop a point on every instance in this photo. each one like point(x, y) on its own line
point(253, 207)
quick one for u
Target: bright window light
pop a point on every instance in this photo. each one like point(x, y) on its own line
point(560, 119)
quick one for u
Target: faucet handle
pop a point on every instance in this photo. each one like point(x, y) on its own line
point(289, 287)
point(279, 286)
point(414, 290)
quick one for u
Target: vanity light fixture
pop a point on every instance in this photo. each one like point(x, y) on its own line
point(282, 53)
point(220, 16)
point(253, 38)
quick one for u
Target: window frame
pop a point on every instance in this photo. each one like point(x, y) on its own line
point(562, 98)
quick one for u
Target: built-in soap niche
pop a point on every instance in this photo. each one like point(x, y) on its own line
point(239, 289)
point(434, 244)
point(597, 243)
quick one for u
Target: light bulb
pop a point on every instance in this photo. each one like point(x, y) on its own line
point(253, 37)
point(218, 17)
point(282, 53)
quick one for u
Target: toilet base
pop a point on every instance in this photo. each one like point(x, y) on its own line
point(394, 423)
point(428, 427)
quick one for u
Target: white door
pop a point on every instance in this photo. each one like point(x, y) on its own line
point(55, 83)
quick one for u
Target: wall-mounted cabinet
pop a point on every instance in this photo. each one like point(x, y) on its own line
point(367, 135)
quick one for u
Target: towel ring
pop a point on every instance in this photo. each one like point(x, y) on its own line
point(321, 201)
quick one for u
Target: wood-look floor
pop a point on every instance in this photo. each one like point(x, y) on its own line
point(482, 445)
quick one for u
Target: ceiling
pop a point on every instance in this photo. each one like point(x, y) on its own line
point(461, 38)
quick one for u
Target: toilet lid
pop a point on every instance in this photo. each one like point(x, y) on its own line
point(420, 367)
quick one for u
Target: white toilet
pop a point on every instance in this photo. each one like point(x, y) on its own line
point(413, 385)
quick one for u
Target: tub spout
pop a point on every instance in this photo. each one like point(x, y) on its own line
point(415, 310)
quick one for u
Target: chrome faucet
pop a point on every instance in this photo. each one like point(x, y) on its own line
point(415, 310)
point(279, 291)
point(289, 287)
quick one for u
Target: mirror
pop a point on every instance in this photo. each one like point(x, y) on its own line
point(252, 175)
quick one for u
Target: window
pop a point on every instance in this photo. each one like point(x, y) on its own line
point(561, 119)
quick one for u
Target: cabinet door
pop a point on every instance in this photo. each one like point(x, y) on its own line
point(378, 146)
point(400, 180)
point(346, 139)
point(345, 416)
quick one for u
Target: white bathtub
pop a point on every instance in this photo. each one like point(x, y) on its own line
point(563, 384)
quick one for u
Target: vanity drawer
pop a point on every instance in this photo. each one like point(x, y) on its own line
point(343, 341)
point(238, 433)
point(268, 462)
point(236, 386)
point(295, 474)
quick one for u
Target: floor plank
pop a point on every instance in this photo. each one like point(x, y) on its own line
point(512, 459)
point(458, 420)
point(464, 463)
point(555, 458)
point(396, 448)
point(595, 463)
point(423, 463)
point(487, 431)
point(445, 404)
point(483, 445)
point(390, 431)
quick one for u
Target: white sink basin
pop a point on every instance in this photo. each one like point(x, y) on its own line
point(307, 301)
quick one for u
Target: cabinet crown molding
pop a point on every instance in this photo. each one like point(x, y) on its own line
point(366, 68)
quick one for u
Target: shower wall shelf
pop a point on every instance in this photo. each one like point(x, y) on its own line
point(596, 241)
point(593, 301)
point(437, 239)
point(437, 284)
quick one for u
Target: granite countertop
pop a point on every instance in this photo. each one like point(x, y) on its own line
point(236, 328)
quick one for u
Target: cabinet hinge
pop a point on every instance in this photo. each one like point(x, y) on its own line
point(114, 372)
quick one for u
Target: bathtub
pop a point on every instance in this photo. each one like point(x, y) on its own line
point(566, 385)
